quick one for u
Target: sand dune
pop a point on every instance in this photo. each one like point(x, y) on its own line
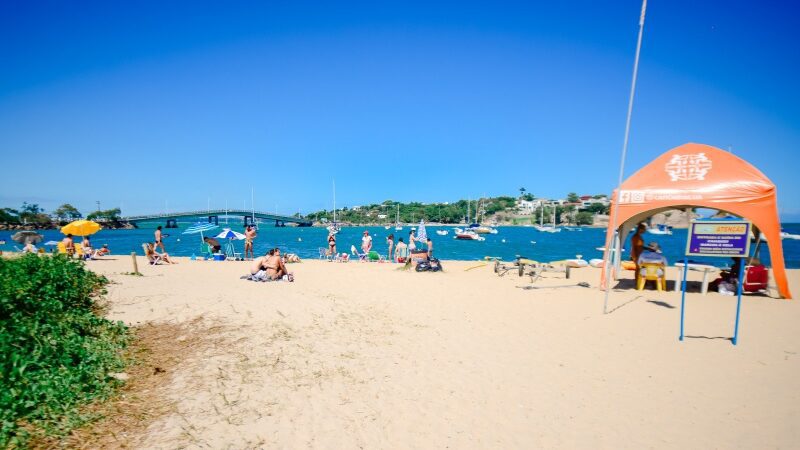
point(363, 355)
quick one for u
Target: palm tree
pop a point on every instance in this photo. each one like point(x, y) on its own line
point(522, 191)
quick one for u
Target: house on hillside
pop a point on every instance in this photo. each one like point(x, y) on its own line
point(527, 207)
point(588, 200)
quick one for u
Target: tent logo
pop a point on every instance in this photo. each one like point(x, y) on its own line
point(688, 167)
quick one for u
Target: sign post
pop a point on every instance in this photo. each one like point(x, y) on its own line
point(723, 238)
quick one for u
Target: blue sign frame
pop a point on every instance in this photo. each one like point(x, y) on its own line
point(721, 238)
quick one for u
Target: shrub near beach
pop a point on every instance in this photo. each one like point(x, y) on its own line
point(57, 352)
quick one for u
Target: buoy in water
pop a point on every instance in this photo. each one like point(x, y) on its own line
point(503, 241)
point(299, 239)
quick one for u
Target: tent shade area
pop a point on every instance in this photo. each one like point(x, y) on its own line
point(699, 176)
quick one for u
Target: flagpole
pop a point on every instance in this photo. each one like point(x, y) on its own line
point(613, 224)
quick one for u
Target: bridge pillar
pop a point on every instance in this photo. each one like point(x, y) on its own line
point(214, 219)
point(172, 223)
point(248, 220)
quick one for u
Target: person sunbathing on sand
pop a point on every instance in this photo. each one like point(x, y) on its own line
point(258, 269)
point(151, 253)
point(274, 265)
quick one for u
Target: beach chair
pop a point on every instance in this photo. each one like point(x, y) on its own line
point(756, 279)
point(63, 249)
point(343, 257)
point(652, 272)
point(362, 257)
point(206, 252)
point(152, 258)
point(401, 255)
point(323, 254)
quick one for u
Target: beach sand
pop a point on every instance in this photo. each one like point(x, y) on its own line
point(361, 355)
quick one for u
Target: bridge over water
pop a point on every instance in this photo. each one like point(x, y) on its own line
point(212, 215)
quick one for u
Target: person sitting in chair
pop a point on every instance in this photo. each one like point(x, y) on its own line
point(401, 251)
point(652, 255)
point(152, 254)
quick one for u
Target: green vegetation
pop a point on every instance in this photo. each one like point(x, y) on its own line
point(57, 352)
point(415, 211)
point(108, 215)
point(67, 212)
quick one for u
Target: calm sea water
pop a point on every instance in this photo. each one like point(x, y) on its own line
point(510, 241)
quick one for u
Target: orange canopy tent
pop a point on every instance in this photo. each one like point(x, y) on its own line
point(697, 175)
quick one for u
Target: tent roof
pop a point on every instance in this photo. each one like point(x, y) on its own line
point(698, 175)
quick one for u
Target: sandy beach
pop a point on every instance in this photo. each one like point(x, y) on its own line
point(361, 355)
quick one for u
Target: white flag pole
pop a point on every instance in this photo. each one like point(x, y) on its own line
point(613, 224)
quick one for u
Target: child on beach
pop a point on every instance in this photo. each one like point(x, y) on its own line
point(390, 241)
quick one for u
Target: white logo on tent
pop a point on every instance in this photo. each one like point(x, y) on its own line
point(688, 167)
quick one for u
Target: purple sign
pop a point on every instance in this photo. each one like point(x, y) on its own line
point(725, 238)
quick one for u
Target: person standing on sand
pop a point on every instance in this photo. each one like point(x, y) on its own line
point(249, 236)
point(159, 241)
point(430, 248)
point(411, 241)
point(637, 246)
point(390, 241)
point(331, 244)
point(366, 242)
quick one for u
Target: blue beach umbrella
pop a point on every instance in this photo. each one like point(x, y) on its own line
point(200, 227)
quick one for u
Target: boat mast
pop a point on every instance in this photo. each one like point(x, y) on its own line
point(334, 202)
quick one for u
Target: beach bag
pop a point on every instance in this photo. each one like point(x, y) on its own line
point(435, 265)
point(423, 267)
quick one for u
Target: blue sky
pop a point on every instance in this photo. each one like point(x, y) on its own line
point(147, 103)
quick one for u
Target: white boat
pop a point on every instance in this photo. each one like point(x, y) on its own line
point(660, 229)
point(596, 262)
point(576, 263)
point(468, 235)
point(785, 235)
point(386, 227)
point(442, 232)
point(397, 226)
point(547, 228)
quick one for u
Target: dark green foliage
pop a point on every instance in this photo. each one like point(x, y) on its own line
point(9, 215)
point(108, 215)
point(57, 353)
point(584, 218)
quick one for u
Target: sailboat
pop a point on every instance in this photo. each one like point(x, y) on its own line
point(397, 225)
point(333, 228)
point(476, 226)
point(547, 228)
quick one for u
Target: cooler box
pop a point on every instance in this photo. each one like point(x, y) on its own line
point(419, 256)
point(219, 257)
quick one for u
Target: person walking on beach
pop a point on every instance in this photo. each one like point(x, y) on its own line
point(249, 236)
point(390, 241)
point(366, 242)
point(637, 246)
point(158, 239)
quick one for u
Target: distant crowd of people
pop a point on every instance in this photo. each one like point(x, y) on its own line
point(397, 252)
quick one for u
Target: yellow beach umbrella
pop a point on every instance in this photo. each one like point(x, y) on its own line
point(81, 228)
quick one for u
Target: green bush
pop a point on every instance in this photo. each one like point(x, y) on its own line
point(57, 352)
